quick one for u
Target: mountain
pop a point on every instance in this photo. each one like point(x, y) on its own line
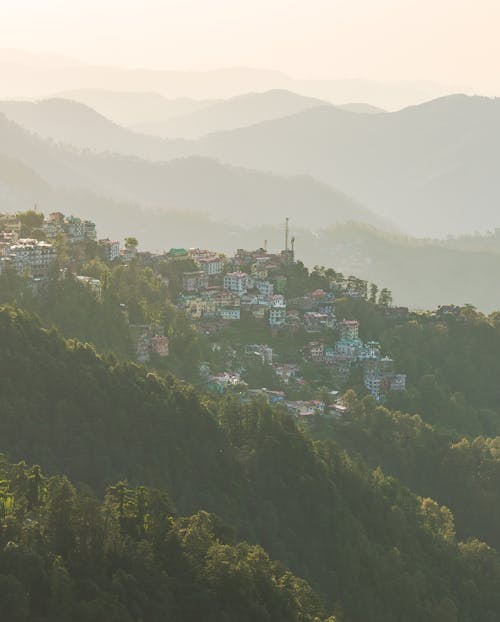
point(130, 108)
point(452, 274)
point(77, 125)
point(232, 113)
point(39, 76)
point(362, 539)
point(428, 168)
point(194, 184)
point(362, 108)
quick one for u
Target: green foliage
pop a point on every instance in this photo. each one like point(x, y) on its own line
point(73, 557)
point(363, 541)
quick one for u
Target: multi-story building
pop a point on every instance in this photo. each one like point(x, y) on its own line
point(229, 313)
point(262, 351)
point(277, 311)
point(177, 254)
point(315, 351)
point(111, 249)
point(398, 382)
point(266, 288)
point(349, 330)
point(211, 265)
point(29, 255)
point(194, 281)
point(236, 282)
point(316, 322)
point(77, 229)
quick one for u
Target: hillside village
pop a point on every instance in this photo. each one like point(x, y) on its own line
point(240, 304)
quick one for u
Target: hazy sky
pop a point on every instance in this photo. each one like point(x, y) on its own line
point(449, 41)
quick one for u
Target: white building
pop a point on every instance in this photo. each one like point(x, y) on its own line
point(265, 288)
point(229, 313)
point(111, 248)
point(398, 382)
point(32, 256)
point(236, 282)
point(277, 311)
point(349, 330)
point(211, 265)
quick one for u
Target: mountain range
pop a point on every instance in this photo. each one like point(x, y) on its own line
point(32, 75)
point(420, 168)
point(429, 168)
point(197, 184)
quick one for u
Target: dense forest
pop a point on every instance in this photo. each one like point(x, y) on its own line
point(368, 546)
point(66, 555)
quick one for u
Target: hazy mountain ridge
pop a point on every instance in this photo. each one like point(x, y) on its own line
point(39, 77)
point(422, 167)
point(195, 184)
point(239, 111)
point(130, 108)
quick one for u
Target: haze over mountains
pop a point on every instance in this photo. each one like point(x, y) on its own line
point(197, 184)
point(32, 75)
point(429, 168)
point(129, 108)
point(240, 164)
point(420, 168)
point(239, 111)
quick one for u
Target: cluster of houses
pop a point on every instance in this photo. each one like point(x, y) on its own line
point(252, 284)
point(219, 290)
point(226, 288)
point(34, 256)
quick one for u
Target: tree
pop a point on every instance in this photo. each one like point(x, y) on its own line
point(131, 242)
point(30, 220)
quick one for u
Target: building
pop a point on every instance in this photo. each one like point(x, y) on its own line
point(315, 322)
point(266, 288)
point(211, 265)
point(77, 229)
point(194, 281)
point(398, 383)
point(93, 284)
point(277, 311)
point(262, 351)
point(349, 330)
point(287, 372)
point(32, 256)
point(229, 313)
point(236, 282)
point(160, 345)
point(142, 348)
point(177, 254)
point(315, 351)
point(111, 249)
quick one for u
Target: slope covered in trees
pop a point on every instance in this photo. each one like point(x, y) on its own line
point(365, 543)
point(67, 556)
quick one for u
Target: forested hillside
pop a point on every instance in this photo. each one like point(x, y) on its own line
point(66, 555)
point(364, 542)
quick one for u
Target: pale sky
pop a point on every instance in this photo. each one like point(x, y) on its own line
point(449, 41)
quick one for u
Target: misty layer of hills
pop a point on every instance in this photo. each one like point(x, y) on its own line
point(428, 170)
point(238, 195)
point(35, 75)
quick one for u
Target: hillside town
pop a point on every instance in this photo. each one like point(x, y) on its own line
point(228, 300)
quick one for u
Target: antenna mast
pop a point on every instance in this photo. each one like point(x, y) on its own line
point(286, 233)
